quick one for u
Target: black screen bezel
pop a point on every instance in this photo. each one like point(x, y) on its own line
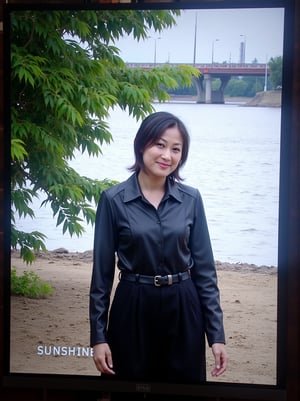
point(209, 389)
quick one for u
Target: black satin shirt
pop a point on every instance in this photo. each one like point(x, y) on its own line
point(152, 241)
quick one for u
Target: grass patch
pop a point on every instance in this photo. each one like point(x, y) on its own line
point(29, 284)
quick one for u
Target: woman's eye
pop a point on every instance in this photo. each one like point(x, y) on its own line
point(176, 150)
point(160, 145)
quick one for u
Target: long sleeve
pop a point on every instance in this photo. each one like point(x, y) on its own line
point(204, 275)
point(103, 270)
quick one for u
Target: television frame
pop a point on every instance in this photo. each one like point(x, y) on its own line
point(209, 389)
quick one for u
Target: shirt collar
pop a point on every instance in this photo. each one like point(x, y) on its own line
point(132, 189)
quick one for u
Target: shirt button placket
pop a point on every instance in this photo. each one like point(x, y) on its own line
point(160, 242)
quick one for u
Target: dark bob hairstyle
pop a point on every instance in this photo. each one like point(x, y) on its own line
point(151, 130)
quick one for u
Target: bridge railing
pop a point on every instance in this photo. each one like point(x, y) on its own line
point(202, 66)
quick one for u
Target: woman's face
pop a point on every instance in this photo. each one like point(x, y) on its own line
point(163, 156)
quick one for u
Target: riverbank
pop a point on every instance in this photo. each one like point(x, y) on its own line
point(41, 327)
point(261, 99)
point(265, 99)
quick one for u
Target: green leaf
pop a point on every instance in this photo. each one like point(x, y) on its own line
point(18, 151)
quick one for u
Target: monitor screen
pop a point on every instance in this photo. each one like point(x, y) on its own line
point(80, 79)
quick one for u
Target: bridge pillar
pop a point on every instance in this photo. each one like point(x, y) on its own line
point(224, 81)
point(208, 90)
point(205, 93)
point(200, 89)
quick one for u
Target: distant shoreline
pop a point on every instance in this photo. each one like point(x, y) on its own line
point(265, 99)
point(87, 257)
point(261, 99)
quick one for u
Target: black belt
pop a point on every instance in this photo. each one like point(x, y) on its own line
point(158, 281)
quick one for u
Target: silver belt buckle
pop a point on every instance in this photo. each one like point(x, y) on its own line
point(156, 282)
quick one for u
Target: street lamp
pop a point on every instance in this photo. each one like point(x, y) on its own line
point(212, 50)
point(155, 39)
point(266, 75)
point(195, 40)
point(243, 50)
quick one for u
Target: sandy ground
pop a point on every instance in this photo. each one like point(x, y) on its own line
point(59, 325)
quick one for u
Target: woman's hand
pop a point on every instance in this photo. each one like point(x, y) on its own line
point(221, 359)
point(103, 358)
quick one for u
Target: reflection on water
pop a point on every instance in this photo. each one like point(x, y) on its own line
point(233, 160)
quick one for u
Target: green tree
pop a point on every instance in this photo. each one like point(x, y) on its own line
point(236, 87)
point(275, 65)
point(66, 76)
point(254, 85)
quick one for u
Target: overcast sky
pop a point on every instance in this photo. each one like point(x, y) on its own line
point(219, 34)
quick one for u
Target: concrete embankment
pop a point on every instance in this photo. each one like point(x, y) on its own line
point(265, 99)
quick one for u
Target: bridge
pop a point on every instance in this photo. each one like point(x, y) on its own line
point(223, 71)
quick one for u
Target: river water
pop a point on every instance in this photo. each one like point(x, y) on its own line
point(233, 160)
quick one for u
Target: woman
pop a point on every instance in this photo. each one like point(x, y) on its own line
point(167, 298)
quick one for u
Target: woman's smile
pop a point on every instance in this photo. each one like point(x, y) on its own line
point(163, 156)
point(163, 165)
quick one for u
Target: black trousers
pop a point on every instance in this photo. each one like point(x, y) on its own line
point(156, 334)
